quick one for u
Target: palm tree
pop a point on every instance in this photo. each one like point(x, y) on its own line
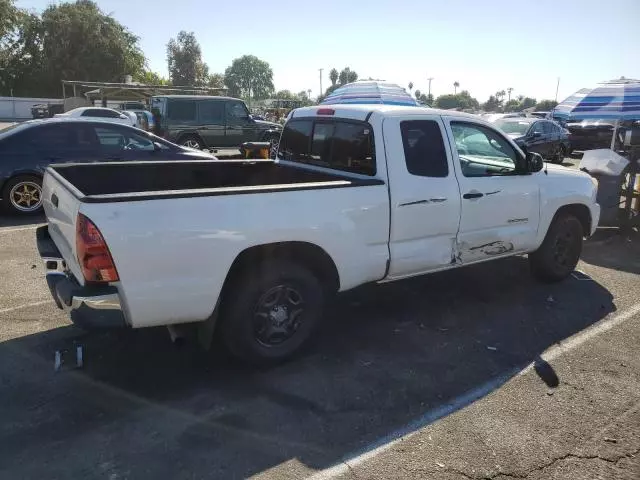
point(410, 86)
point(333, 76)
point(456, 84)
point(509, 90)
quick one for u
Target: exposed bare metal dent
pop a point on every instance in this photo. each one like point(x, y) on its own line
point(494, 248)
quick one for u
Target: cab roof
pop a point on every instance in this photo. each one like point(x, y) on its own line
point(362, 111)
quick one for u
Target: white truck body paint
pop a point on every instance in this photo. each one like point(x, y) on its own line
point(173, 254)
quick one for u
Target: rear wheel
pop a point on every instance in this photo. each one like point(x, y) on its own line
point(23, 195)
point(560, 251)
point(271, 311)
point(192, 141)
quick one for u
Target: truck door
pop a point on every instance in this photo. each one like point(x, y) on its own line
point(211, 126)
point(500, 203)
point(240, 126)
point(425, 200)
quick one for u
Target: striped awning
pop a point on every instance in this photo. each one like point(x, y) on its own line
point(616, 99)
point(370, 92)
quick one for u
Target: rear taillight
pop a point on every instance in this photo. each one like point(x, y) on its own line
point(93, 253)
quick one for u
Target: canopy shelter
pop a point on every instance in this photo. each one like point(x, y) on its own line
point(615, 100)
point(104, 91)
point(618, 101)
point(368, 91)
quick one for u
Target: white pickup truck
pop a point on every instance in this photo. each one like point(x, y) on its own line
point(253, 249)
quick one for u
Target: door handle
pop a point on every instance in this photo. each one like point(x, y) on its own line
point(471, 195)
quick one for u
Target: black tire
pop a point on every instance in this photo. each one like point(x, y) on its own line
point(22, 195)
point(260, 321)
point(191, 141)
point(560, 251)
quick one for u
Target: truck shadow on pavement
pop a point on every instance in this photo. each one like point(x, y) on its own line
point(388, 356)
point(610, 248)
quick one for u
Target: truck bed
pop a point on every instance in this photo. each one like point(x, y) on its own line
point(129, 181)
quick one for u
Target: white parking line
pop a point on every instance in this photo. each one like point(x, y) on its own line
point(20, 229)
point(27, 305)
point(386, 443)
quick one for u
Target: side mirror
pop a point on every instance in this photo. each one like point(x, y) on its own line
point(534, 162)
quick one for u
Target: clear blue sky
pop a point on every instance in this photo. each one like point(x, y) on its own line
point(485, 45)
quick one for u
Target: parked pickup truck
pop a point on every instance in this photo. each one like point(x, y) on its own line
point(254, 249)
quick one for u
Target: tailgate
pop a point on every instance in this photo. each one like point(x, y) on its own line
point(61, 208)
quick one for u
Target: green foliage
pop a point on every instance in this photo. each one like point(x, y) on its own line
point(184, 58)
point(285, 95)
point(546, 105)
point(494, 104)
point(345, 76)
point(72, 41)
point(216, 80)
point(249, 77)
point(333, 76)
point(151, 78)
point(512, 106)
point(456, 84)
point(462, 100)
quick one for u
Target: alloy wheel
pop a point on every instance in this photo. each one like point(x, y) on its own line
point(26, 196)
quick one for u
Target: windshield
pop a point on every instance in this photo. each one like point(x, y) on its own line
point(507, 127)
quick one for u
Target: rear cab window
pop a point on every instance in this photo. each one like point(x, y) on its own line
point(345, 145)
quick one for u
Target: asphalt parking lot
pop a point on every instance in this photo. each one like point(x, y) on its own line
point(427, 378)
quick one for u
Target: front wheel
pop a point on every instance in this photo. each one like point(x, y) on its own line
point(560, 251)
point(23, 195)
point(191, 142)
point(271, 311)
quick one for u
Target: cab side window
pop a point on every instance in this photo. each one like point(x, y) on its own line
point(482, 151)
point(424, 151)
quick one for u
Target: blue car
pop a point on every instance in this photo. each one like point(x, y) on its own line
point(26, 149)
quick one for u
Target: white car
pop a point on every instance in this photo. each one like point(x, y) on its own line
point(255, 248)
point(100, 113)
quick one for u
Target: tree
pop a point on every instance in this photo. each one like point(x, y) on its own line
point(151, 78)
point(72, 40)
point(249, 77)
point(512, 106)
point(333, 76)
point(21, 61)
point(462, 100)
point(509, 90)
point(215, 80)
point(546, 105)
point(456, 84)
point(429, 99)
point(347, 76)
point(184, 58)
point(492, 105)
point(410, 86)
point(418, 93)
point(285, 95)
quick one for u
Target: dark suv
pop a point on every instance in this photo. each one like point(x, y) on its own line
point(210, 122)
